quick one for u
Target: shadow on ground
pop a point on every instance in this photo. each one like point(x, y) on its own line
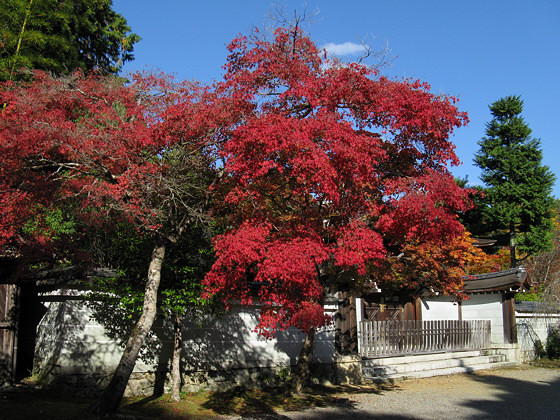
point(23, 402)
point(266, 404)
point(518, 398)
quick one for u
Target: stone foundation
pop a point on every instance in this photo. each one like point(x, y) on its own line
point(346, 370)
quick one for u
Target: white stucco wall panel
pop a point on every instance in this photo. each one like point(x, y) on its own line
point(438, 308)
point(487, 306)
point(532, 327)
point(81, 337)
point(484, 307)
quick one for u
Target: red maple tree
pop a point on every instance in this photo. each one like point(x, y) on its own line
point(141, 153)
point(332, 175)
point(335, 175)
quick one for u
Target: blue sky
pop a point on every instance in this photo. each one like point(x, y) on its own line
point(478, 50)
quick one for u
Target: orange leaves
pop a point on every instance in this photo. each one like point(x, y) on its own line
point(440, 266)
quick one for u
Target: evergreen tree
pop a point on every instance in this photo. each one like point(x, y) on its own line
point(61, 36)
point(517, 198)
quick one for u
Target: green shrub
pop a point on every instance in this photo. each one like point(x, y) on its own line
point(528, 297)
point(539, 349)
point(553, 343)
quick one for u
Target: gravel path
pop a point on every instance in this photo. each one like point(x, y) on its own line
point(515, 393)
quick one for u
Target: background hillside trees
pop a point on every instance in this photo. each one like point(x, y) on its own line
point(61, 36)
point(545, 268)
point(517, 197)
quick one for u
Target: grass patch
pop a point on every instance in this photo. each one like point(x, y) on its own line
point(546, 363)
point(29, 402)
point(189, 407)
point(242, 401)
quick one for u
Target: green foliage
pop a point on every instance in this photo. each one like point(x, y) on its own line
point(540, 352)
point(528, 297)
point(53, 223)
point(473, 219)
point(129, 250)
point(553, 343)
point(285, 374)
point(62, 36)
point(517, 202)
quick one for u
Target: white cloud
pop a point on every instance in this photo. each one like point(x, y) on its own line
point(346, 48)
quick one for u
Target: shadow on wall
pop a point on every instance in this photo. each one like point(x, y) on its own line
point(80, 342)
point(531, 330)
point(223, 352)
point(72, 355)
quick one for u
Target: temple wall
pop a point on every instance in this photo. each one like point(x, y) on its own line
point(81, 341)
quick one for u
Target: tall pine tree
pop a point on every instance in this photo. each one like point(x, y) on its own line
point(518, 198)
point(60, 36)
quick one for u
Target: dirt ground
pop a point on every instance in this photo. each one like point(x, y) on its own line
point(522, 392)
point(514, 393)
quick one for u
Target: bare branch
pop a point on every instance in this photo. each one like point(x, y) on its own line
point(382, 57)
point(278, 17)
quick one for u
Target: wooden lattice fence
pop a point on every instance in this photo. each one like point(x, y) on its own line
point(388, 338)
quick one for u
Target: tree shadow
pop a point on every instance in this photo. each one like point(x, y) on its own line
point(224, 351)
point(516, 398)
point(219, 351)
point(70, 358)
point(269, 402)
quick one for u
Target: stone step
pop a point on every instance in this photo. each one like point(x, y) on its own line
point(383, 361)
point(430, 365)
point(438, 372)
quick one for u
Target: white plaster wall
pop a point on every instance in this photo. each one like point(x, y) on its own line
point(68, 337)
point(477, 307)
point(488, 306)
point(533, 327)
point(439, 308)
point(81, 338)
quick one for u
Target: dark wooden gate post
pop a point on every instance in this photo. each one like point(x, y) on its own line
point(7, 332)
point(346, 339)
point(510, 323)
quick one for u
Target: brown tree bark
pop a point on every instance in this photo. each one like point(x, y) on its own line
point(512, 246)
point(112, 396)
point(302, 369)
point(176, 362)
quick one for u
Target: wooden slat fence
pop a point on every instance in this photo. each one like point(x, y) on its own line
point(391, 338)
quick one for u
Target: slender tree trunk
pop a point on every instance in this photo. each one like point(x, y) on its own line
point(20, 37)
point(112, 396)
point(176, 362)
point(302, 370)
point(512, 247)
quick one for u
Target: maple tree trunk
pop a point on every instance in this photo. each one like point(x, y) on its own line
point(302, 370)
point(112, 396)
point(176, 362)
